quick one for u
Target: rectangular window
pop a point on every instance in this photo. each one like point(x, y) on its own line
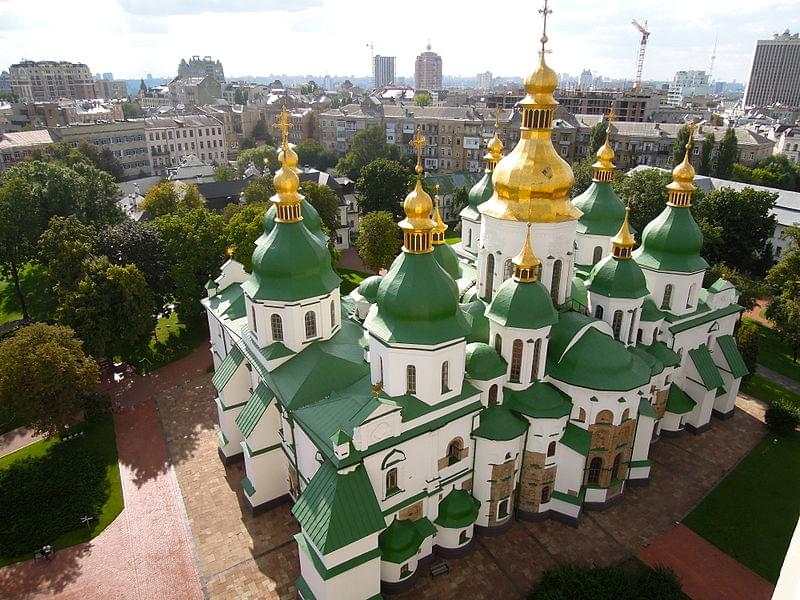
point(502, 508)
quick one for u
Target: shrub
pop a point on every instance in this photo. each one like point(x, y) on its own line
point(748, 339)
point(630, 581)
point(96, 404)
point(782, 417)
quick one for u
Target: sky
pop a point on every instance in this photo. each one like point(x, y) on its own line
point(258, 37)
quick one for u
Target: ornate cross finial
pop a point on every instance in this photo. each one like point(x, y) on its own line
point(692, 127)
point(544, 11)
point(611, 115)
point(496, 118)
point(418, 142)
point(284, 124)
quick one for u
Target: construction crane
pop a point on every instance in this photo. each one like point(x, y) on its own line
point(372, 60)
point(637, 83)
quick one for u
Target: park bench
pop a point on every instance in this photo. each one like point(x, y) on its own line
point(439, 568)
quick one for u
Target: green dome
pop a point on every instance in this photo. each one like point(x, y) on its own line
point(447, 259)
point(400, 541)
point(523, 305)
point(603, 211)
point(672, 242)
point(540, 400)
point(311, 220)
point(479, 194)
point(499, 424)
point(458, 509)
point(470, 295)
point(615, 278)
point(369, 287)
point(290, 264)
point(475, 313)
point(483, 362)
point(417, 303)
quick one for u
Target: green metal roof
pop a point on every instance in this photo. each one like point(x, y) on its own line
point(254, 409)
point(540, 400)
point(678, 402)
point(425, 527)
point(400, 541)
point(412, 407)
point(227, 368)
point(706, 317)
point(651, 312)
point(720, 285)
point(646, 409)
point(709, 372)
point(311, 220)
point(479, 194)
point(523, 305)
point(672, 242)
point(656, 366)
point(602, 209)
point(275, 350)
point(369, 287)
point(483, 362)
point(417, 303)
point(228, 302)
point(579, 295)
point(499, 424)
point(730, 351)
point(447, 259)
point(338, 509)
point(662, 353)
point(458, 509)
point(577, 438)
point(475, 314)
point(211, 284)
point(617, 278)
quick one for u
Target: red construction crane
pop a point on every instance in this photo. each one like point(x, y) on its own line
point(637, 83)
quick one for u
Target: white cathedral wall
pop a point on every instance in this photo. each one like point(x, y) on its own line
point(528, 336)
point(702, 334)
point(268, 474)
point(390, 572)
point(569, 478)
point(362, 581)
point(581, 398)
point(487, 454)
point(641, 446)
point(470, 235)
point(704, 399)
point(235, 393)
point(586, 242)
point(685, 289)
point(307, 453)
point(631, 313)
point(541, 432)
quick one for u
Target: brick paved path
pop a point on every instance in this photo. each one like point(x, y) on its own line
point(16, 439)
point(145, 554)
point(244, 557)
point(706, 572)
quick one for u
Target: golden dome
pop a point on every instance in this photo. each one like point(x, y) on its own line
point(288, 157)
point(623, 242)
point(286, 181)
point(440, 226)
point(604, 167)
point(681, 188)
point(495, 147)
point(543, 81)
point(525, 262)
point(417, 226)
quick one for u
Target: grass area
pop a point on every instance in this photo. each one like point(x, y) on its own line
point(38, 295)
point(99, 443)
point(350, 280)
point(774, 354)
point(452, 237)
point(173, 339)
point(752, 513)
point(765, 390)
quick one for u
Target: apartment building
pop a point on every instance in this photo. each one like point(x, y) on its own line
point(201, 67)
point(787, 141)
point(110, 89)
point(51, 80)
point(428, 70)
point(169, 139)
point(382, 71)
point(687, 84)
point(125, 139)
point(302, 124)
point(27, 115)
point(338, 125)
point(18, 146)
point(775, 72)
point(194, 91)
point(628, 105)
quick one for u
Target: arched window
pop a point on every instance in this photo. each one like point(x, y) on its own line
point(597, 255)
point(489, 279)
point(655, 335)
point(333, 314)
point(545, 494)
point(380, 358)
point(276, 324)
point(626, 413)
point(455, 451)
point(595, 468)
point(690, 297)
point(581, 415)
point(445, 377)
point(411, 379)
point(391, 481)
point(667, 302)
point(253, 314)
point(538, 272)
point(493, 395)
point(615, 466)
point(555, 282)
point(551, 449)
point(616, 324)
point(311, 324)
point(630, 330)
point(508, 271)
point(598, 312)
point(469, 236)
point(537, 352)
point(516, 361)
point(498, 343)
point(639, 336)
point(604, 416)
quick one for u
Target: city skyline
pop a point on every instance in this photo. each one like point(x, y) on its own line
point(153, 36)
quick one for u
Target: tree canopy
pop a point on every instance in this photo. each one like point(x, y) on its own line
point(63, 247)
point(368, 145)
point(382, 186)
point(224, 172)
point(311, 153)
point(597, 137)
point(728, 149)
point(325, 201)
point(776, 171)
point(260, 189)
point(131, 110)
point(378, 239)
point(423, 99)
point(783, 280)
point(706, 152)
point(242, 231)
point(166, 198)
point(679, 149)
point(260, 156)
point(44, 374)
point(645, 193)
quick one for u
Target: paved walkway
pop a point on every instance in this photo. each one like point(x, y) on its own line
point(779, 378)
point(351, 260)
point(706, 572)
point(145, 554)
point(17, 439)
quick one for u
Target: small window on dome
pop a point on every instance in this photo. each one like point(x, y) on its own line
point(311, 324)
point(597, 255)
point(411, 379)
point(516, 361)
point(509, 269)
point(616, 324)
point(276, 325)
point(598, 312)
point(666, 303)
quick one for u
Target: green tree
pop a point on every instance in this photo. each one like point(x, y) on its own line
point(325, 200)
point(112, 309)
point(44, 374)
point(423, 99)
point(259, 156)
point(706, 151)
point(313, 154)
point(19, 231)
point(748, 340)
point(368, 145)
point(224, 172)
point(195, 246)
point(728, 149)
point(242, 231)
point(167, 198)
point(583, 176)
point(783, 280)
point(679, 149)
point(460, 200)
point(261, 132)
point(63, 247)
point(260, 189)
point(597, 137)
point(240, 96)
point(382, 186)
point(378, 239)
point(645, 193)
point(131, 110)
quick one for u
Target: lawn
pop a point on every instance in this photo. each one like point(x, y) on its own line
point(350, 280)
point(173, 339)
point(773, 354)
point(38, 294)
point(752, 513)
point(765, 390)
point(98, 444)
point(452, 237)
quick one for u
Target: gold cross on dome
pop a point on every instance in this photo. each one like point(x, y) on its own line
point(418, 141)
point(544, 11)
point(692, 127)
point(284, 124)
point(611, 115)
point(496, 117)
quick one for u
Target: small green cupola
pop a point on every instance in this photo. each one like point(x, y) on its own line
point(289, 262)
point(617, 276)
point(442, 252)
point(673, 241)
point(483, 190)
point(311, 220)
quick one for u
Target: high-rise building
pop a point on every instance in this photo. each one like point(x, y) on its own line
point(775, 72)
point(200, 67)
point(484, 80)
point(687, 83)
point(108, 76)
point(586, 79)
point(51, 80)
point(382, 70)
point(428, 71)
